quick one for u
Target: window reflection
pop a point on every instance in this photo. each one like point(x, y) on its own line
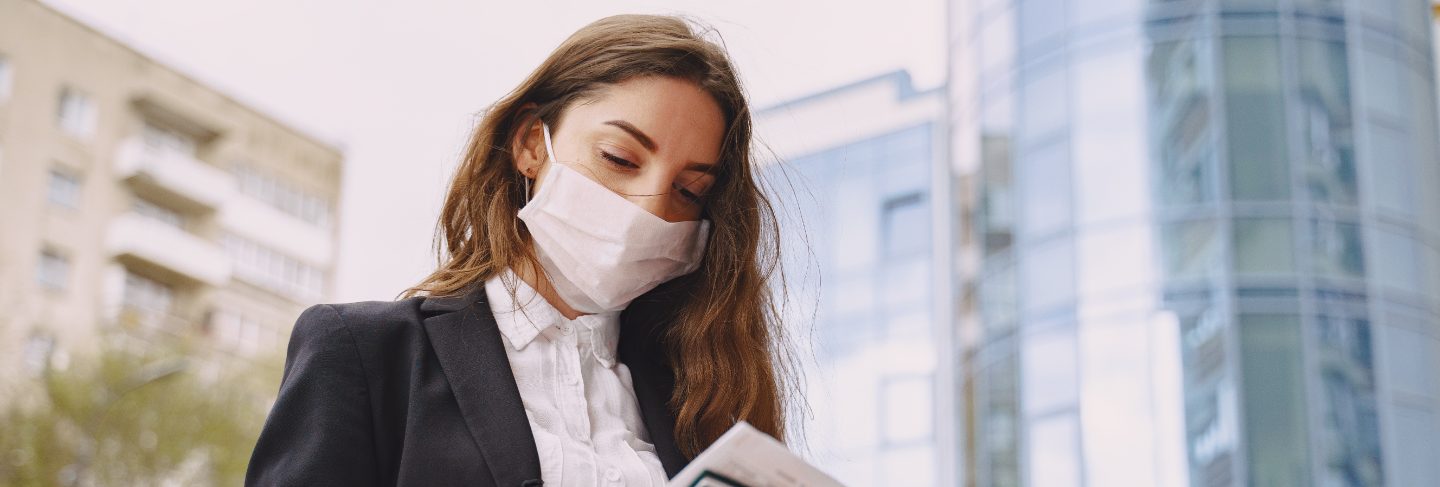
point(1192, 249)
point(1325, 124)
point(1335, 249)
point(1210, 408)
point(997, 203)
point(998, 418)
point(1264, 246)
point(1274, 400)
point(1255, 119)
point(1179, 75)
point(998, 295)
point(1351, 422)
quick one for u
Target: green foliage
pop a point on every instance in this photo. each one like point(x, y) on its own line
point(127, 418)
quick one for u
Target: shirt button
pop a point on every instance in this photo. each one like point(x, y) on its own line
point(565, 329)
point(612, 474)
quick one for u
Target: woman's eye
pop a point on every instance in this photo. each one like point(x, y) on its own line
point(617, 160)
point(689, 196)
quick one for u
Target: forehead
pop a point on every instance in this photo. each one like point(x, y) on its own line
point(685, 122)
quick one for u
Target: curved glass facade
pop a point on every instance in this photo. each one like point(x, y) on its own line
point(1206, 242)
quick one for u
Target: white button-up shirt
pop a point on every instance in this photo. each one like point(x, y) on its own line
point(578, 398)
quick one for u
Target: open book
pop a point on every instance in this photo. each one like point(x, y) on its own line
point(745, 457)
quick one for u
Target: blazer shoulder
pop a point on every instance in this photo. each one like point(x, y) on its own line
point(364, 319)
point(386, 323)
point(378, 313)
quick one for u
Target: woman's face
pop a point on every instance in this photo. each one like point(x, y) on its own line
point(654, 140)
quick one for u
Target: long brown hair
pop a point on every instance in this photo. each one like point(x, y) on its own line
point(725, 324)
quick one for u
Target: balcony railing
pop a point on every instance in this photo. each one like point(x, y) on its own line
point(173, 177)
point(136, 237)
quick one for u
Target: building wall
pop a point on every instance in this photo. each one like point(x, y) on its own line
point(859, 208)
point(111, 244)
point(1206, 242)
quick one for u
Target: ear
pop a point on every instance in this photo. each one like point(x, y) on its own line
point(528, 147)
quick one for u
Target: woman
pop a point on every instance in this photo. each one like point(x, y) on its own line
point(601, 313)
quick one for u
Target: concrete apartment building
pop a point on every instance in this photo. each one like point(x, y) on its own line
point(135, 198)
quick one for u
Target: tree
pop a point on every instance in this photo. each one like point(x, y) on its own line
point(148, 415)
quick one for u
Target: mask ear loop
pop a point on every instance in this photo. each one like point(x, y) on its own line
point(549, 154)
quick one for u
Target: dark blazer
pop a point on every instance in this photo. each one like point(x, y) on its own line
point(419, 392)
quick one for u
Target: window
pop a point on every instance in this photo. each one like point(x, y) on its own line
point(1274, 399)
point(1048, 370)
point(146, 295)
point(1326, 126)
point(158, 213)
point(168, 140)
point(7, 78)
point(1109, 154)
point(907, 225)
point(1255, 119)
point(64, 188)
point(1041, 20)
point(1181, 87)
point(998, 425)
point(273, 270)
point(906, 407)
point(77, 113)
point(1351, 428)
point(243, 332)
point(1046, 199)
point(38, 349)
point(1264, 246)
point(1191, 248)
point(1336, 250)
point(1054, 451)
point(1044, 104)
point(1392, 181)
point(1398, 262)
point(1047, 275)
point(282, 196)
point(54, 270)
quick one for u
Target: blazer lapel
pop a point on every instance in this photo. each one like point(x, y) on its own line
point(652, 393)
point(641, 352)
point(467, 343)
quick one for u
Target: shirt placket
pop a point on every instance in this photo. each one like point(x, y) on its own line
point(572, 391)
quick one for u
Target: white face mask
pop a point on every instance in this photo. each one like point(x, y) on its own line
point(600, 250)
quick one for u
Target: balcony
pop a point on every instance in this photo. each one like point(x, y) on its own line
point(173, 178)
point(138, 240)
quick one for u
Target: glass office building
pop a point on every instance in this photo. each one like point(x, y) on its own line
point(858, 202)
point(1204, 244)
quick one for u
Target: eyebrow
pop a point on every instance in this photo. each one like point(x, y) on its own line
point(649, 143)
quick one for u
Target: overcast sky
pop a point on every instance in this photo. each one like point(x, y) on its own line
point(396, 84)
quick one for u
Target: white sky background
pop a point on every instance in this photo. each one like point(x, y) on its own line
point(397, 84)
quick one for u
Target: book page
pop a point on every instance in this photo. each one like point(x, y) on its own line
point(746, 457)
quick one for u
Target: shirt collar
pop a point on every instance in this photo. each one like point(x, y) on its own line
point(526, 315)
